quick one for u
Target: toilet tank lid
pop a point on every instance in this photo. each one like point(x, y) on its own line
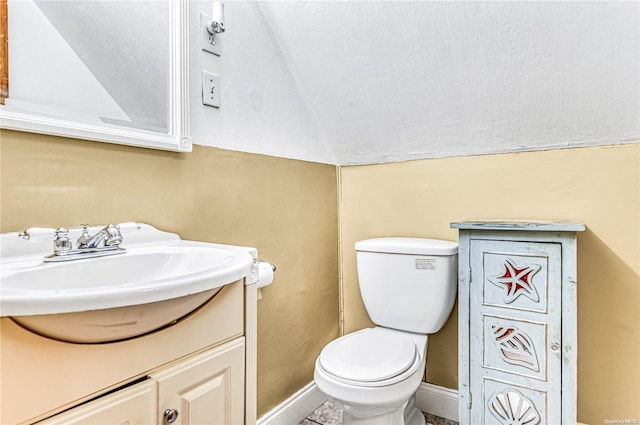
point(414, 246)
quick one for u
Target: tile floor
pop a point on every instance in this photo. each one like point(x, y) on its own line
point(328, 414)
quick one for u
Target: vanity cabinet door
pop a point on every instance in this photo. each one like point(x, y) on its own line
point(135, 405)
point(207, 388)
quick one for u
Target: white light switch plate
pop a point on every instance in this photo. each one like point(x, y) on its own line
point(209, 43)
point(210, 89)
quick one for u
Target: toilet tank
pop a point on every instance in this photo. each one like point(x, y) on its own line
point(408, 284)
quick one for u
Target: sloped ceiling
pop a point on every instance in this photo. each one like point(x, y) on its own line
point(393, 81)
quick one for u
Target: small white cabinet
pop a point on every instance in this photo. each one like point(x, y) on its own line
point(134, 405)
point(206, 388)
point(517, 322)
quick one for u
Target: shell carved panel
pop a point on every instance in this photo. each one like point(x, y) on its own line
point(510, 407)
point(515, 346)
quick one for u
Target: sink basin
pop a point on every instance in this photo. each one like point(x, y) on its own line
point(159, 280)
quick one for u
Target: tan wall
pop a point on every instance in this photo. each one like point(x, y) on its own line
point(598, 186)
point(285, 208)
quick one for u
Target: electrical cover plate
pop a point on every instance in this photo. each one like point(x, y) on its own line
point(210, 89)
point(209, 43)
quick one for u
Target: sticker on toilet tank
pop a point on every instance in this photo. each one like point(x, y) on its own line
point(425, 263)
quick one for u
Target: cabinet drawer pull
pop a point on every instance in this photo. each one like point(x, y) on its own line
point(170, 416)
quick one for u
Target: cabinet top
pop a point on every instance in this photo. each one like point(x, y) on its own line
point(531, 225)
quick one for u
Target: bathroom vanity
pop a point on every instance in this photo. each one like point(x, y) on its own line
point(199, 368)
point(517, 322)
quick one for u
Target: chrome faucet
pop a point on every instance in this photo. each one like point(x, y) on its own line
point(109, 236)
point(104, 242)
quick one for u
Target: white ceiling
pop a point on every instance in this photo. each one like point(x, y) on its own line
point(399, 80)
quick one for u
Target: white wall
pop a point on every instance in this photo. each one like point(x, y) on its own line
point(367, 81)
point(261, 110)
point(391, 81)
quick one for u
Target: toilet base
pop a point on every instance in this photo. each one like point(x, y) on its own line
point(406, 414)
point(413, 416)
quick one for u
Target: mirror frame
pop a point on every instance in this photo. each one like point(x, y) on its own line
point(178, 138)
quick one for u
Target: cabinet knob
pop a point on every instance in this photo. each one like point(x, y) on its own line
point(170, 416)
point(555, 347)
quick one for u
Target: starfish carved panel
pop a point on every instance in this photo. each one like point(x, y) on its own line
point(517, 281)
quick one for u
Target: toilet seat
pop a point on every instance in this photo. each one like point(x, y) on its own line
point(370, 357)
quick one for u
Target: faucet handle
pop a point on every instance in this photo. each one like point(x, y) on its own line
point(59, 236)
point(113, 237)
point(62, 243)
point(85, 229)
point(115, 232)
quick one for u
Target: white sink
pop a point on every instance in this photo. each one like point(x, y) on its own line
point(159, 280)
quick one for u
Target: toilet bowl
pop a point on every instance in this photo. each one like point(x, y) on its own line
point(408, 286)
point(372, 375)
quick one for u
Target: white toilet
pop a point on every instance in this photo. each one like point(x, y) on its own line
point(408, 286)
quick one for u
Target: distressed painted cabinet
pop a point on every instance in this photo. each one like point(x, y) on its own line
point(517, 322)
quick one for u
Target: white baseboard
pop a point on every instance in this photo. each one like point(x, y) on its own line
point(430, 398)
point(439, 401)
point(294, 409)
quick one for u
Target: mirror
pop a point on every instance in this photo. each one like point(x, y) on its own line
point(103, 70)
